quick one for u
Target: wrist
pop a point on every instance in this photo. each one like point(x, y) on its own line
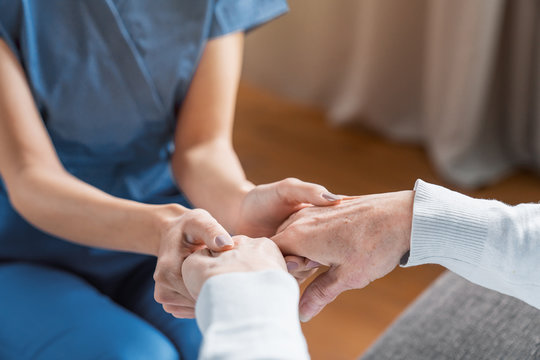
point(162, 219)
point(233, 221)
point(404, 217)
point(407, 217)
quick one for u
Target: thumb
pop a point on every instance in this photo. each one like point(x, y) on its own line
point(200, 228)
point(297, 191)
point(322, 291)
point(192, 271)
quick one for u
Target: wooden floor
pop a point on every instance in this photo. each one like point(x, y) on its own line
point(276, 139)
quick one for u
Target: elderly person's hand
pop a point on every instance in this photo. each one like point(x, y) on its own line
point(247, 255)
point(360, 240)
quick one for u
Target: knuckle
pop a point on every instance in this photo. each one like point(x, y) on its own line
point(167, 272)
point(284, 185)
point(241, 240)
point(320, 292)
point(195, 215)
point(199, 213)
point(158, 275)
point(203, 219)
point(290, 181)
point(270, 246)
point(325, 293)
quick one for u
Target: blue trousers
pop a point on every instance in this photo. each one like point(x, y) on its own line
point(52, 313)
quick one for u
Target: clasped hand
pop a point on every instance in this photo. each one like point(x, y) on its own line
point(262, 211)
point(360, 239)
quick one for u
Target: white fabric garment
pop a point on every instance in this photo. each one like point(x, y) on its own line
point(255, 315)
point(485, 241)
point(250, 316)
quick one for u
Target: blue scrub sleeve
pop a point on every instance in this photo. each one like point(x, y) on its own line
point(9, 23)
point(244, 15)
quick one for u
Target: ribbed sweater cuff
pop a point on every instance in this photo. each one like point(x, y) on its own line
point(446, 226)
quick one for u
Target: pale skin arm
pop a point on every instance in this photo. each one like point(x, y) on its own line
point(47, 196)
point(205, 163)
point(43, 192)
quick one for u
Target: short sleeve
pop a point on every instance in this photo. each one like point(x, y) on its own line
point(10, 24)
point(243, 15)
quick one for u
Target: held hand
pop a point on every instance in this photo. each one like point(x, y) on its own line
point(360, 240)
point(248, 255)
point(267, 206)
point(193, 230)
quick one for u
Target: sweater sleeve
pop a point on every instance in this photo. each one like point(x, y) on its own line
point(485, 241)
point(250, 316)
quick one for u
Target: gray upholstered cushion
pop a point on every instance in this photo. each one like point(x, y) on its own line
point(455, 319)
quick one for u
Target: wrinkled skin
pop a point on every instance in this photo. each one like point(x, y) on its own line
point(360, 240)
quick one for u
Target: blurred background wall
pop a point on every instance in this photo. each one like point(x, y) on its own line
point(459, 76)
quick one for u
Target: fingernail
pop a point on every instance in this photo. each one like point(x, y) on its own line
point(304, 312)
point(189, 239)
point(291, 265)
point(312, 264)
point(331, 197)
point(223, 240)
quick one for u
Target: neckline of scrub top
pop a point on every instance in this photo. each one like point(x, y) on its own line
point(125, 53)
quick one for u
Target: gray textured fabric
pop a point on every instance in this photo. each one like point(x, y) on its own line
point(455, 319)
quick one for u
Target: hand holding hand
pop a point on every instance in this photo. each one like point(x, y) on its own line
point(248, 255)
point(183, 235)
point(267, 206)
point(360, 240)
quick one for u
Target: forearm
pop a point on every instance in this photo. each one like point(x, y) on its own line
point(58, 203)
point(212, 178)
point(485, 241)
point(204, 162)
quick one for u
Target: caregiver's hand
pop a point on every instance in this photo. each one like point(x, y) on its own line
point(360, 240)
point(266, 207)
point(248, 255)
point(181, 236)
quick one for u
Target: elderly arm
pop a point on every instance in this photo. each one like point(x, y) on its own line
point(485, 241)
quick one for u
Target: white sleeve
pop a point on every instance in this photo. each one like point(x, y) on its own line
point(485, 241)
point(250, 316)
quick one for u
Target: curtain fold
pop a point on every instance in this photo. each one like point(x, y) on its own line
point(460, 76)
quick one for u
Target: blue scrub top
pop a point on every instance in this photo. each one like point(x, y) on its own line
point(108, 77)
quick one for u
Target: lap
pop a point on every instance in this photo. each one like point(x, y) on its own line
point(137, 295)
point(47, 313)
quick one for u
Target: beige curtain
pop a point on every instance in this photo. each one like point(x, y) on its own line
point(461, 76)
